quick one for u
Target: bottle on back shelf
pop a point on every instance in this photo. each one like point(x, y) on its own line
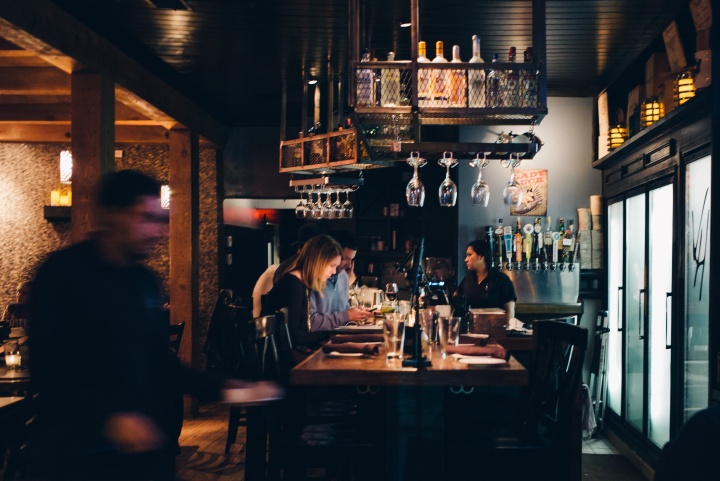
point(390, 85)
point(511, 88)
point(493, 90)
point(518, 242)
point(537, 238)
point(440, 78)
point(528, 83)
point(548, 239)
point(476, 79)
point(365, 84)
point(424, 78)
point(457, 82)
point(499, 242)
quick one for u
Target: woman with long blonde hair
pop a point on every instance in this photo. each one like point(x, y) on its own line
point(316, 262)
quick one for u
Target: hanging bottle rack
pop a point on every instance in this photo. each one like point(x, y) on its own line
point(387, 122)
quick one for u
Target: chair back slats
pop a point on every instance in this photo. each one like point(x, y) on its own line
point(555, 383)
point(175, 332)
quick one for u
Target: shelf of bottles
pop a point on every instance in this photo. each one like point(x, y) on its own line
point(449, 93)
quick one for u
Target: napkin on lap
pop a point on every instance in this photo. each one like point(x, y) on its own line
point(343, 338)
point(494, 351)
point(352, 347)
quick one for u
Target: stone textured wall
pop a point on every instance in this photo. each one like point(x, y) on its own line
point(28, 172)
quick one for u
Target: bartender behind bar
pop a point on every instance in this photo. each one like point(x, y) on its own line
point(484, 287)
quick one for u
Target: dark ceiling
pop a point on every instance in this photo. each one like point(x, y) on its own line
point(231, 55)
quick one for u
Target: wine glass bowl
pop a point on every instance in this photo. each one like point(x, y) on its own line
point(415, 190)
point(480, 192)
point(347, 206)
point(447, 192)
point(391, 291)
point(337, 207)
point(513, 192)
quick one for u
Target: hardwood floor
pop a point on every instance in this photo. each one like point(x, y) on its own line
point(202, 448)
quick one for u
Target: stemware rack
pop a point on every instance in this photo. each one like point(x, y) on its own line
point(353, 150)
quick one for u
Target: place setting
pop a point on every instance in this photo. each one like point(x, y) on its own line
point(353, 345)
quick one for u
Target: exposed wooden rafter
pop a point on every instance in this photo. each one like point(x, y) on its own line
point(40, 45)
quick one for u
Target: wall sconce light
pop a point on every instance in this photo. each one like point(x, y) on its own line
point(684, 87)
point(651, 111)
point(165, 196)
point(66, 165)
point(617, 136)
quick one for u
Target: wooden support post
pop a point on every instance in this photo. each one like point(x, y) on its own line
point(183, 157)
point(93, 144)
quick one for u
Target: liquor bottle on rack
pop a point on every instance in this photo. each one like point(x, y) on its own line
point(365, 84)
point(440, 78)
point(493, 90)
point(511, 81)
point(499, 243)
point(424, 79)
point(458, 82)
point(490, 239)
point(390, 85)
point(538, 239)
point(476, 79)
point(568, 242)
point(528, 83)
point(518, 242)
point(548, 239)
point(561, 232)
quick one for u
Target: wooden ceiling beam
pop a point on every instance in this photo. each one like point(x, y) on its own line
point(56, 34)
point(33, 81)
point(60, 112)
point(60, 133)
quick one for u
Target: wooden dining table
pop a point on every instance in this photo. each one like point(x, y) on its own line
point(416, 401)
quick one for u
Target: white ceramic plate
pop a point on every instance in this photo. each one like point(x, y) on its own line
point(344, 354)
point(478, 336)
point(481, 360)
point(360, 328)
point(256, 394)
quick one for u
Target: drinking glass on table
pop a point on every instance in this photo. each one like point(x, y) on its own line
point(391, 292)
point(394, 335)
point(404, 307)
point(448, 332)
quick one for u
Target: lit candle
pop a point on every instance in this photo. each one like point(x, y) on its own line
point(12, 360)
point(55, 197)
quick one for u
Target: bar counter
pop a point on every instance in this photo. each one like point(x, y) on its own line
point(321, 370)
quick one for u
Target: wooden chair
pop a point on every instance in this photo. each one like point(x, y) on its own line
point(175, 332)
point(267, 358)
point(546, 441)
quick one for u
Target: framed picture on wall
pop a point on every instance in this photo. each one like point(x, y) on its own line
point(534, 197)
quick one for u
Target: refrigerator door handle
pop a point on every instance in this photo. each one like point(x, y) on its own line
point(620, 310)
point(641, 310)
point(668, 340)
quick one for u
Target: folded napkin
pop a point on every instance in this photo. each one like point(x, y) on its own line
point(343, 338)
point(494, 351)
point(475, 339)
point(352, 347)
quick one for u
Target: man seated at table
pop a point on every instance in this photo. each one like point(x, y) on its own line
point(16, 315)
point(333, 309)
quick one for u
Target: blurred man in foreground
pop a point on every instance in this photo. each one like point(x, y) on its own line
point(101, 365)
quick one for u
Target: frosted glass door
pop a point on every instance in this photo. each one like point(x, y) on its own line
point(697, 276)
point(635, 298)
point(660, 215)
point(616, 249)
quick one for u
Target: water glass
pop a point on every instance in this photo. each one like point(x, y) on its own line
point(394, 335)
point(448, 332)
point(404, 307)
